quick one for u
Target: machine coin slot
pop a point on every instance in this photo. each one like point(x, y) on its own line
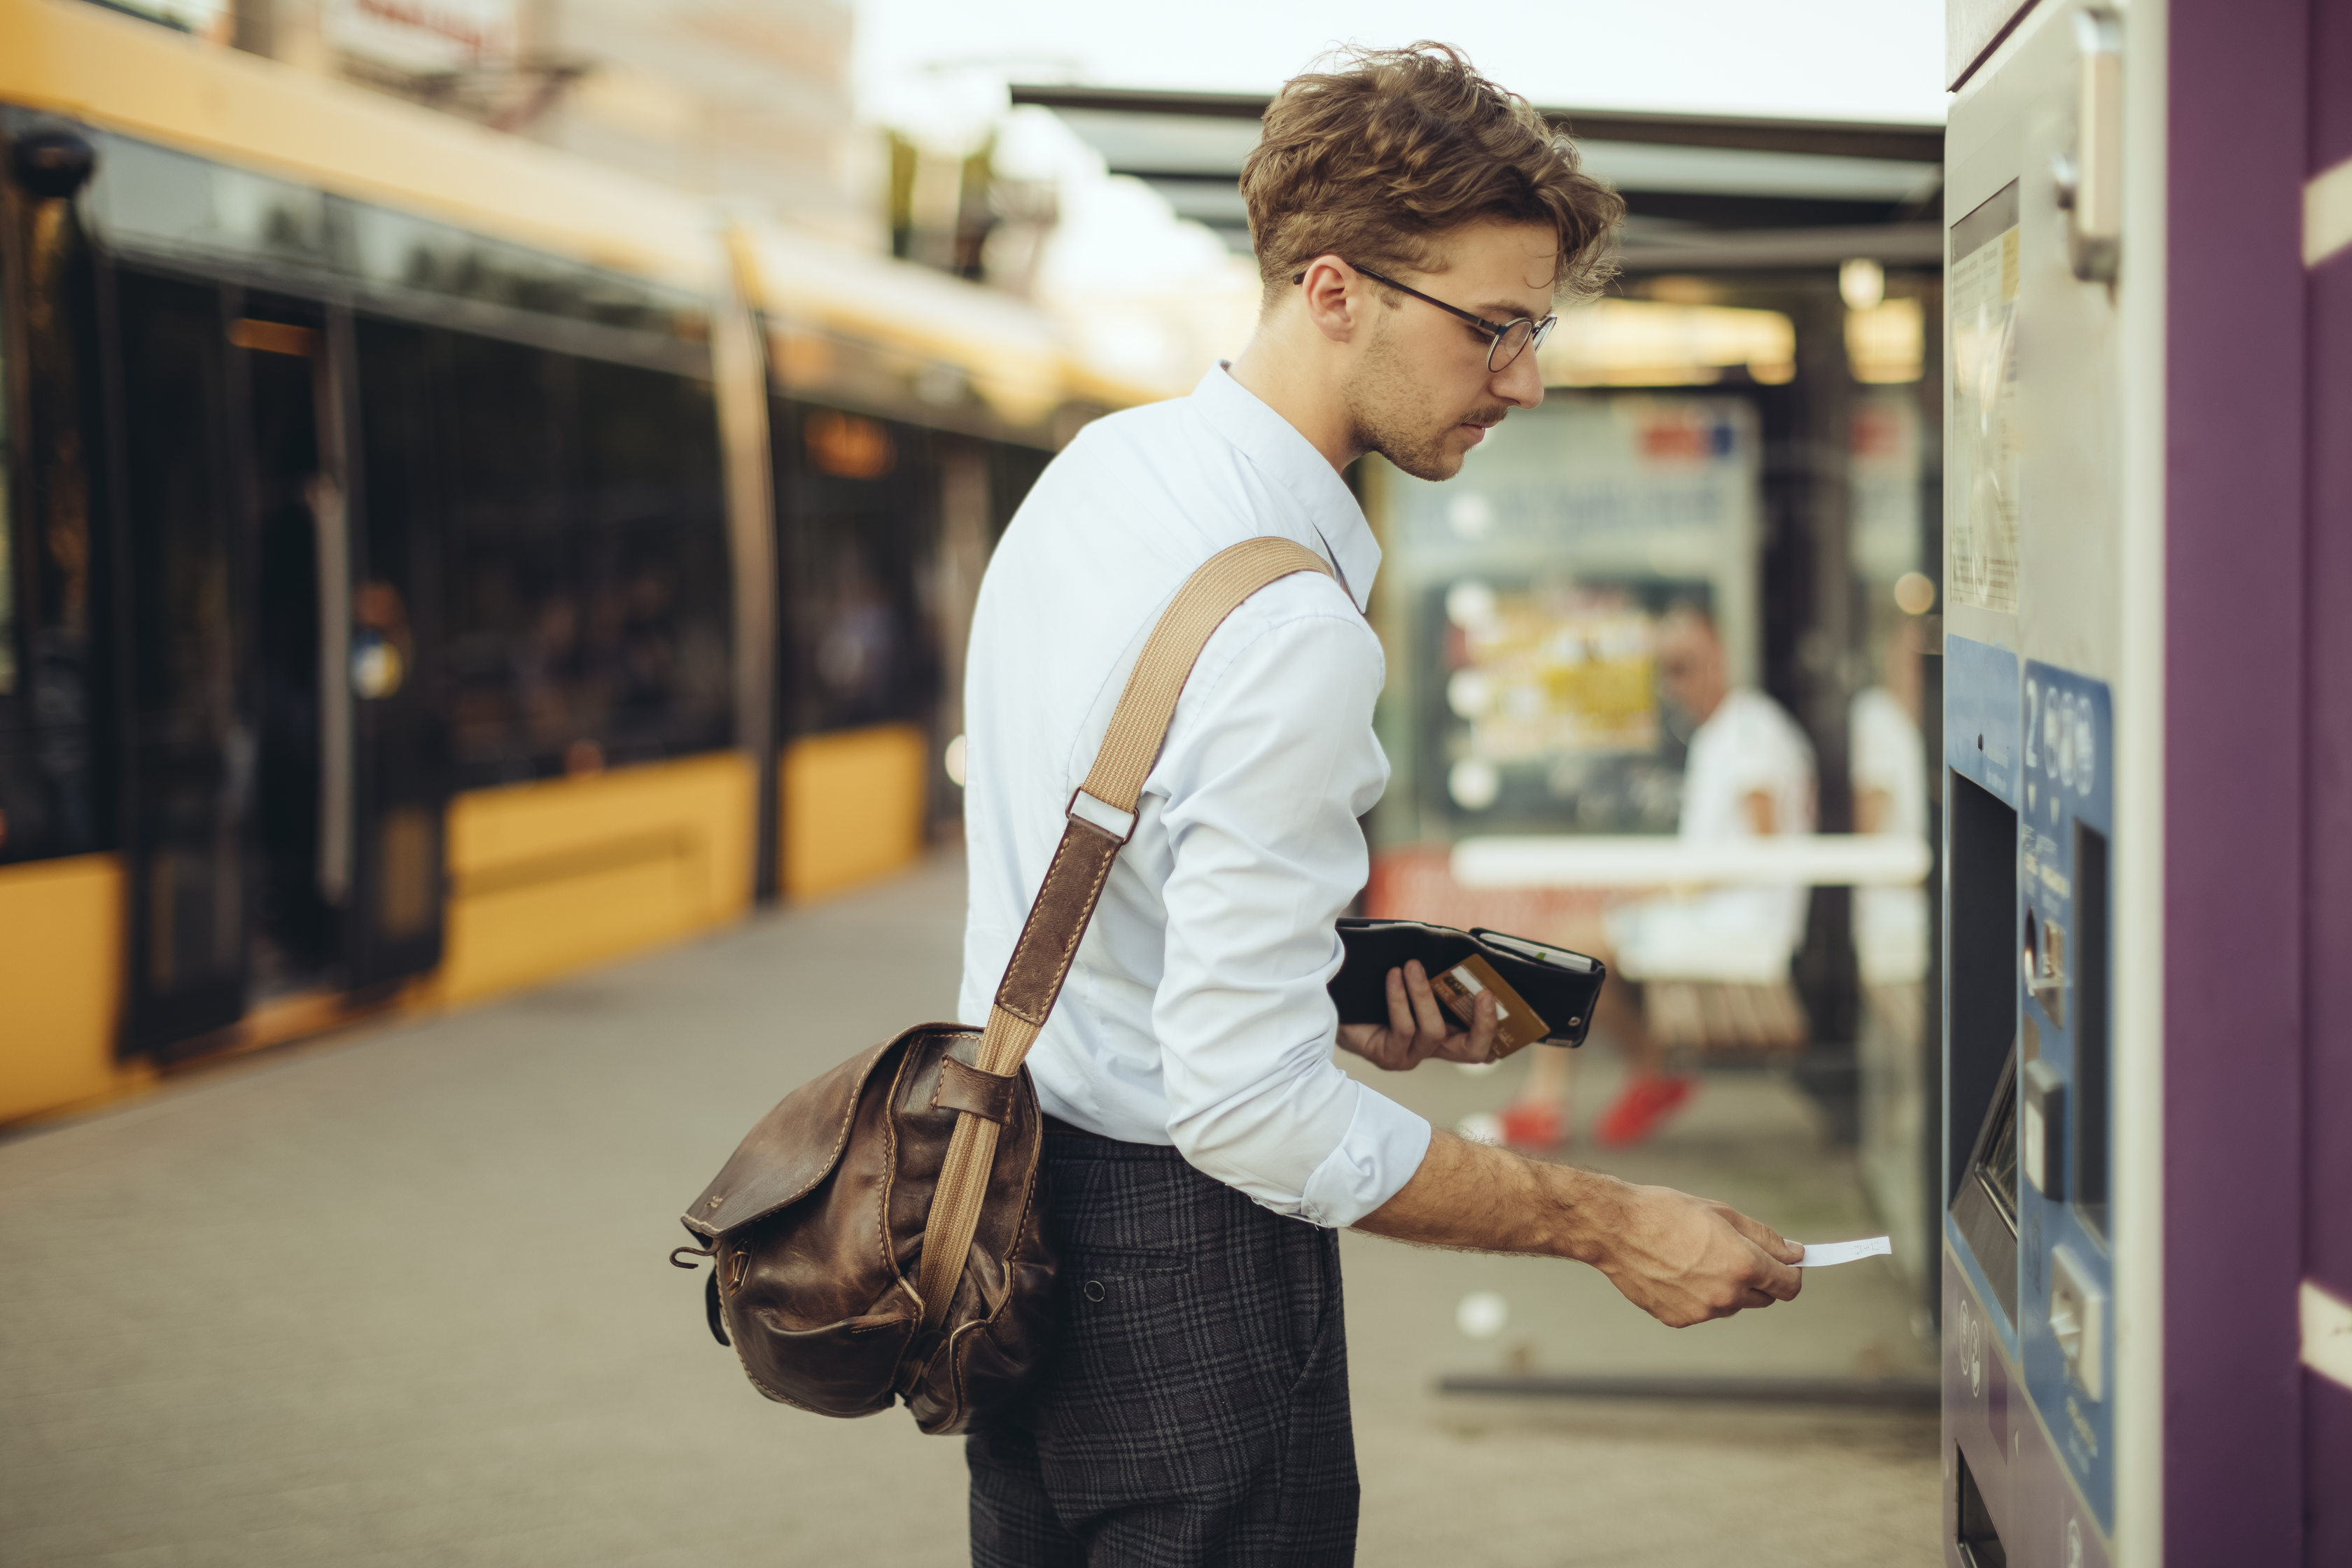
point(2041, 1135)
point(1979, 1542)
point(2091, 1056)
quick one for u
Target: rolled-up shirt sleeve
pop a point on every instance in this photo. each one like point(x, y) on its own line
point(1264, 780)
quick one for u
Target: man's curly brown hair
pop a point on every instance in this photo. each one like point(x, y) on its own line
point(1373, 160)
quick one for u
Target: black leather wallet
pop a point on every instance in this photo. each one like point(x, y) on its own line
point(1559, 985)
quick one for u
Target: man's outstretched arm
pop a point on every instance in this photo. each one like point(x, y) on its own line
point(1679, 1259)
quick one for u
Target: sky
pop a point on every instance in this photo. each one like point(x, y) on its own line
point(1842, 59)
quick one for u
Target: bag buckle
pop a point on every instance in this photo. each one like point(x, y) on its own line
point(1096, 811)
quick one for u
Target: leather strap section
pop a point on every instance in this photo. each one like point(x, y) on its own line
point(1074, 882)
point(1140, 725)
point(1057, 920)
point(985, 1094)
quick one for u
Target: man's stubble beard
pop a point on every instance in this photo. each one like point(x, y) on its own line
point(1390, 415)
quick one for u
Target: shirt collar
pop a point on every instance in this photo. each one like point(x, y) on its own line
point(1289, 461)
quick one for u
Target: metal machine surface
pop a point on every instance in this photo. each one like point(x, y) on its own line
point(2139, 822)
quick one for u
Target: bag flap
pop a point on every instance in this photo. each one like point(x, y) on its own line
point(793, 1148)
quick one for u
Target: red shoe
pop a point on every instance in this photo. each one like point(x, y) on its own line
point(1534, 1124)
point(1646, 1101)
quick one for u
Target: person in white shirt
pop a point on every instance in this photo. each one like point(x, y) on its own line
point(1750, 773)
point(1414, 224)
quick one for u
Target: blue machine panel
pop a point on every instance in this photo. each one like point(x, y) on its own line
point(2066, 1281)
point(2030, 1399)
point(1981, 715)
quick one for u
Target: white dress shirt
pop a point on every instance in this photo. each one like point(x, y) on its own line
point(1196, 1012)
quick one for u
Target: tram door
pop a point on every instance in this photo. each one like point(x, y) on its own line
point(251, 650)
point(297, 859)
point(186, 748)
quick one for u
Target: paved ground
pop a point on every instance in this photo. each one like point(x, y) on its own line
point(400, 1297)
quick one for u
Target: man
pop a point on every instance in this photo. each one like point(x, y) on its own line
point(1749, 773)
point(1203, 1144)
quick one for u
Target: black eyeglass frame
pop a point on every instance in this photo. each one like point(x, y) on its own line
point(1537, 330)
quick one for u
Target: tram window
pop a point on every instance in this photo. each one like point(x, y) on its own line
point(8, 660)
point(17, 779)
point(584, 561)
point(50, 727)
point(861, 518)
point(650, 497)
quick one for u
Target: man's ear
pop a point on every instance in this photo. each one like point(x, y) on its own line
point(1330, 304)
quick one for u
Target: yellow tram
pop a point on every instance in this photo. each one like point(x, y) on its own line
point(430, 563)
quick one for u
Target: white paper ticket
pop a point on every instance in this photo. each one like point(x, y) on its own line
point(1821, 1254)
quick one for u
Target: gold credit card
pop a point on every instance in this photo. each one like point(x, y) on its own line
point(1518, 1024)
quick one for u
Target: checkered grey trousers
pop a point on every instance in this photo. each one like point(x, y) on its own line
point(1196, 1412)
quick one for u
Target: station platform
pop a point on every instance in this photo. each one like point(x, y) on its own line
point(399, 1296)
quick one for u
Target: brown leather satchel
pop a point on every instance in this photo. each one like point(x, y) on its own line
point(881, 1235)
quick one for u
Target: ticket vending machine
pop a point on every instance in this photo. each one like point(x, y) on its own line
point(2147, 1235)
point(2035, 659)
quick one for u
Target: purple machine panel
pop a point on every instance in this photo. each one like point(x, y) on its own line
point(2236, 693)
point(2327, 848)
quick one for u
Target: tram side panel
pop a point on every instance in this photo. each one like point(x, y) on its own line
point(366, 635)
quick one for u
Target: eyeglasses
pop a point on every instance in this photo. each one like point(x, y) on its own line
point(1512, 337)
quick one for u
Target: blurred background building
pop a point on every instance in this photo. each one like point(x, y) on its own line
point(744, 100)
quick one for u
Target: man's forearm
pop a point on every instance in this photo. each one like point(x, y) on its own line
point(1477, 1198)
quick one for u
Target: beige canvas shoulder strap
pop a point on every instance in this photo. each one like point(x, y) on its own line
point(1101, 820)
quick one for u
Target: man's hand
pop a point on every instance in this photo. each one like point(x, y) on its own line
point(1685, 1260)
point(1419, 1028)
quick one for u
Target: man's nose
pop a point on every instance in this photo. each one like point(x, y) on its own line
point(1520, 383)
